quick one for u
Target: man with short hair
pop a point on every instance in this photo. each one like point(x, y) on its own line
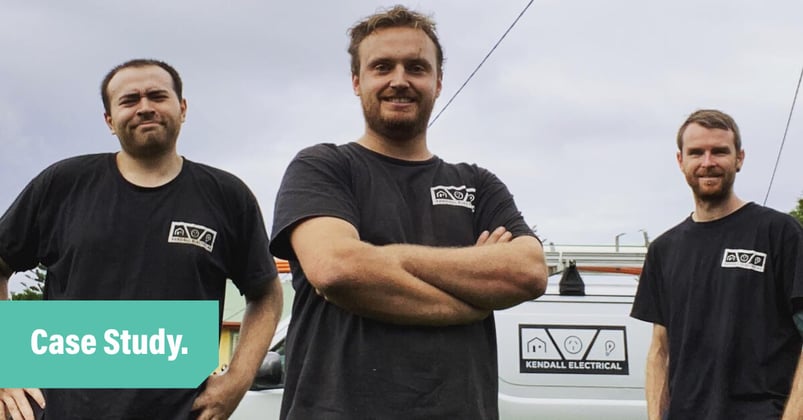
point(398, 257)
point(143, 224)
point(724, 290)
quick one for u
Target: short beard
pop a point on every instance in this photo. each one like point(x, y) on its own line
point(398, 130)
point(716, 197)
point(153, 148)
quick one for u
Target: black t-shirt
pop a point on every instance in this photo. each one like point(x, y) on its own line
point(343, 366)
point(724, 290)
point(103, 238)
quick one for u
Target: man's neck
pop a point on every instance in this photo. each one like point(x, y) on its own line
point(706, 211)
point(414, 149)
point(149, 173)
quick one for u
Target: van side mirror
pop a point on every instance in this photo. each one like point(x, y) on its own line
point(270, 373)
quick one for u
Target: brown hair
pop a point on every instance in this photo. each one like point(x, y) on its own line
point(138, 62)
point(711, 118)
point(395, 17)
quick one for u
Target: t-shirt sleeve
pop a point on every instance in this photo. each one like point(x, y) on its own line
point(647, 304)
point(497, 207)
point(316, 183)
point(19, 227)
point(253, 266)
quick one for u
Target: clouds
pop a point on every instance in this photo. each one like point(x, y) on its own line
point(576, 110)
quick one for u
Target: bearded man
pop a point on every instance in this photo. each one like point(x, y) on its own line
point(398, 257)
point(114, 226)
point(724, 291)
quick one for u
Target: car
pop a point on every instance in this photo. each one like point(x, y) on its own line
point(573, 353)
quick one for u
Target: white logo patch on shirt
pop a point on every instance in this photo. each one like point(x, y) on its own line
point(744, 258)
point(189, 233)
point(461, 196)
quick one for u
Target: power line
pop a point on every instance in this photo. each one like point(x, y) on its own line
point(481, 63)
point(783, 140)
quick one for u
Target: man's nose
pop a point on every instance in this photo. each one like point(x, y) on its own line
point(398, 78)
point(708, 159)
point(145, 107)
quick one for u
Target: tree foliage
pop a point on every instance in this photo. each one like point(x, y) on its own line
point(32, 291)
point(797, 213)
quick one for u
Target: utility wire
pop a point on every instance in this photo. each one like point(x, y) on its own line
point(783, 140)
point(481, 63)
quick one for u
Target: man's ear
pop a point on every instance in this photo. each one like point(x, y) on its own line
point(355, 84)
point(108, 119)
point(183, 109)
point(739, 160)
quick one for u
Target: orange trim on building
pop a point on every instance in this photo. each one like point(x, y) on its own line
point(602, 269)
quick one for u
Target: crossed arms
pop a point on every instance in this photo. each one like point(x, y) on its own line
point(414, 284)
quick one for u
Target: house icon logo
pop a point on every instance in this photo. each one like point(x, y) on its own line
point(536, 345)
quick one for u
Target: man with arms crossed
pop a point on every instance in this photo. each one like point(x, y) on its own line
point(723, 290)
point(398, 257)
point(104, 226)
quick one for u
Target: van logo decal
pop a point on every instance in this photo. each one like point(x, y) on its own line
point(573, 349)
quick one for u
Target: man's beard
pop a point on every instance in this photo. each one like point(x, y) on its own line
point(713, 196)
point(149, 145)
point(397, 129)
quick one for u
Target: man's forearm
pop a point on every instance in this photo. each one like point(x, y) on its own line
point(369, 280)
point(396, 297)
point(223, 393)
point(256, 331)
point(656, 389)
point(794, 406)
point(372, 283)
point(656, 372)
point(4, 288)
point(5, 270)
point(491, 277)
point(5, 274)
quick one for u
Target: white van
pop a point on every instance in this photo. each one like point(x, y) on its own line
point(571, 354)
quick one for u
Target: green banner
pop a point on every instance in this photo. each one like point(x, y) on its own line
point(108, 344)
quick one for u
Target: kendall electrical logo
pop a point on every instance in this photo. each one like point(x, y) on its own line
point(744, 258)
point(461, 196)
point(189, 233)
point(573, 349)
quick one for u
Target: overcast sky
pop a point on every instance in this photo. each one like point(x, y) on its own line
point(576, 110)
